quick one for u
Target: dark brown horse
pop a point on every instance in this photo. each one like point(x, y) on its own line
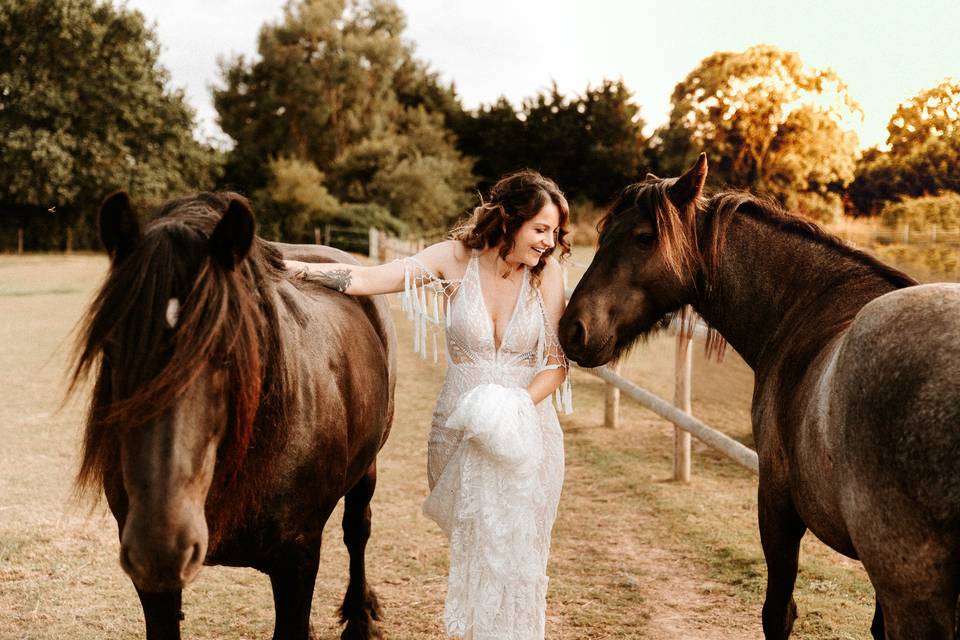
point(232, 408)
point(856, 405)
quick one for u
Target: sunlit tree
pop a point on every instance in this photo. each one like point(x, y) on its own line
point(924, 154)
point(768, 123)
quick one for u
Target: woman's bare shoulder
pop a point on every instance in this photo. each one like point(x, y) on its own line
point(448, 259)
point(552, 274)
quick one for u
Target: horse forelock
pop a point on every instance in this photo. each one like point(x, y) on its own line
point(225, 319)
point(674, 227)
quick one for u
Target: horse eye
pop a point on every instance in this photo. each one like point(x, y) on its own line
point(644, 238)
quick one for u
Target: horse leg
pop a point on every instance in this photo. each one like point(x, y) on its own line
point(930, 616)
point(293, 581)
point(781, 530)
point(360, 607)
point(161, 611)
point(876, 629)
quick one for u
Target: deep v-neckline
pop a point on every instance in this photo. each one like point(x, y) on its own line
point(486, 313)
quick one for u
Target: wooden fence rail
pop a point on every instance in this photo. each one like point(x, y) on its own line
point(384, 248)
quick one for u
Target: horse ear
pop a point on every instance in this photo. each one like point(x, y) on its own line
point(119, 227)
point(690, 185)
point(231, 238)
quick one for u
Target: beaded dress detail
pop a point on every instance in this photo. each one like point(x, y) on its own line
point(495, 461)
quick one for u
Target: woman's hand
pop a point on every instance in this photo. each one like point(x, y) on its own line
point(296, 269)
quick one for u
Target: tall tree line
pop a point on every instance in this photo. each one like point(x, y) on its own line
point(337, 121)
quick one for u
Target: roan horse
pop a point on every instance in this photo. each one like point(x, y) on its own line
point(856, 404)
point(232, 408)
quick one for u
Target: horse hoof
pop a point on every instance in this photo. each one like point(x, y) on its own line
point(361, 630)
point(373, 606)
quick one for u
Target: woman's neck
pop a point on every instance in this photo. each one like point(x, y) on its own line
point(504, 268)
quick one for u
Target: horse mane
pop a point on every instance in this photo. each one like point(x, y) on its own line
point(723, 206)
point(227, 318)
point(682, 247)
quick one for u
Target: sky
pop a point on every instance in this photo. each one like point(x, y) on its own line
point(884, 50)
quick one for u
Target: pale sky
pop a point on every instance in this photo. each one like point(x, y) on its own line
point(885, 51)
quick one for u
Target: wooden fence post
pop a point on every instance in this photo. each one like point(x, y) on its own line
point(316, 235)
point(611, 405)
point(683, 366)
point(374, 248)
point(19, 242)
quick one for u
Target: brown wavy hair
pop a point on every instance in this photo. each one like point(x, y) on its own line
point(514, 199)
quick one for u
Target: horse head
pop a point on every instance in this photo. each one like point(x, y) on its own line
point(179, 376)
point(646, 267)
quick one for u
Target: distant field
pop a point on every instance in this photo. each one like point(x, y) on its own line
point(635, 555)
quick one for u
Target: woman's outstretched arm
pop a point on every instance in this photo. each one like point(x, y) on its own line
point(359, 280)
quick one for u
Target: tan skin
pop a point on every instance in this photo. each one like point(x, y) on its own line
point(499, 279)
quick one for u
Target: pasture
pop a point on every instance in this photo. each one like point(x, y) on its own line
point(634, 555)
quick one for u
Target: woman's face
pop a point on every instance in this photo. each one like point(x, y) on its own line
point(535, 236)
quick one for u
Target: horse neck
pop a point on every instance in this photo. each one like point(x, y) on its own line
point(779, 294)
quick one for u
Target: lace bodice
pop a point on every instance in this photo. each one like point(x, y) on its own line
point(529, 343)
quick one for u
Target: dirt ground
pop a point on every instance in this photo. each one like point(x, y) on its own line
point(635, 555)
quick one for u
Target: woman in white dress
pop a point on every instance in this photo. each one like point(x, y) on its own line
point(495, 454)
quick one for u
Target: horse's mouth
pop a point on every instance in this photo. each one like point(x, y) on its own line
point(597, 356)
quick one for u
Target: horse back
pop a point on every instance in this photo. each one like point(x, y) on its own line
point(375, 308)
point(896, 397)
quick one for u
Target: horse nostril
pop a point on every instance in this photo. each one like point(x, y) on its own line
point(578, 334)
point(192, 558)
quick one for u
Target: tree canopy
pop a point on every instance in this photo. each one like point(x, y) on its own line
point(85, 108)
point(335, 85)
point(592, 144)
point(771, 123)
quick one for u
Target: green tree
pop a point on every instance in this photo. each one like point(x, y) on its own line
point(85, 108)
point(337, 86)
point(592, 144)
point(771, 123)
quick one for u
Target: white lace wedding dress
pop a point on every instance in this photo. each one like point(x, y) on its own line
point(495, 461)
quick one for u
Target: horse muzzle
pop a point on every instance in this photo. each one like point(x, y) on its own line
point(583, 347)
point(159, 559)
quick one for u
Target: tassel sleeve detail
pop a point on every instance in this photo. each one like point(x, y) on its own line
point(426, 301)
point(550, 355)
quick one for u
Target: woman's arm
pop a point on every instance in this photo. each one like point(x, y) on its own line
point(358, 280)
point(554, 301)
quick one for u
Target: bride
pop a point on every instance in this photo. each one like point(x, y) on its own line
point(495, 452)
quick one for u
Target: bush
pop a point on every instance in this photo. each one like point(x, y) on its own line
point(922, 213)
point(930, 263)
point(825, 208)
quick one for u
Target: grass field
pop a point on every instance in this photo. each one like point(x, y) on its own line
point(634, 555)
